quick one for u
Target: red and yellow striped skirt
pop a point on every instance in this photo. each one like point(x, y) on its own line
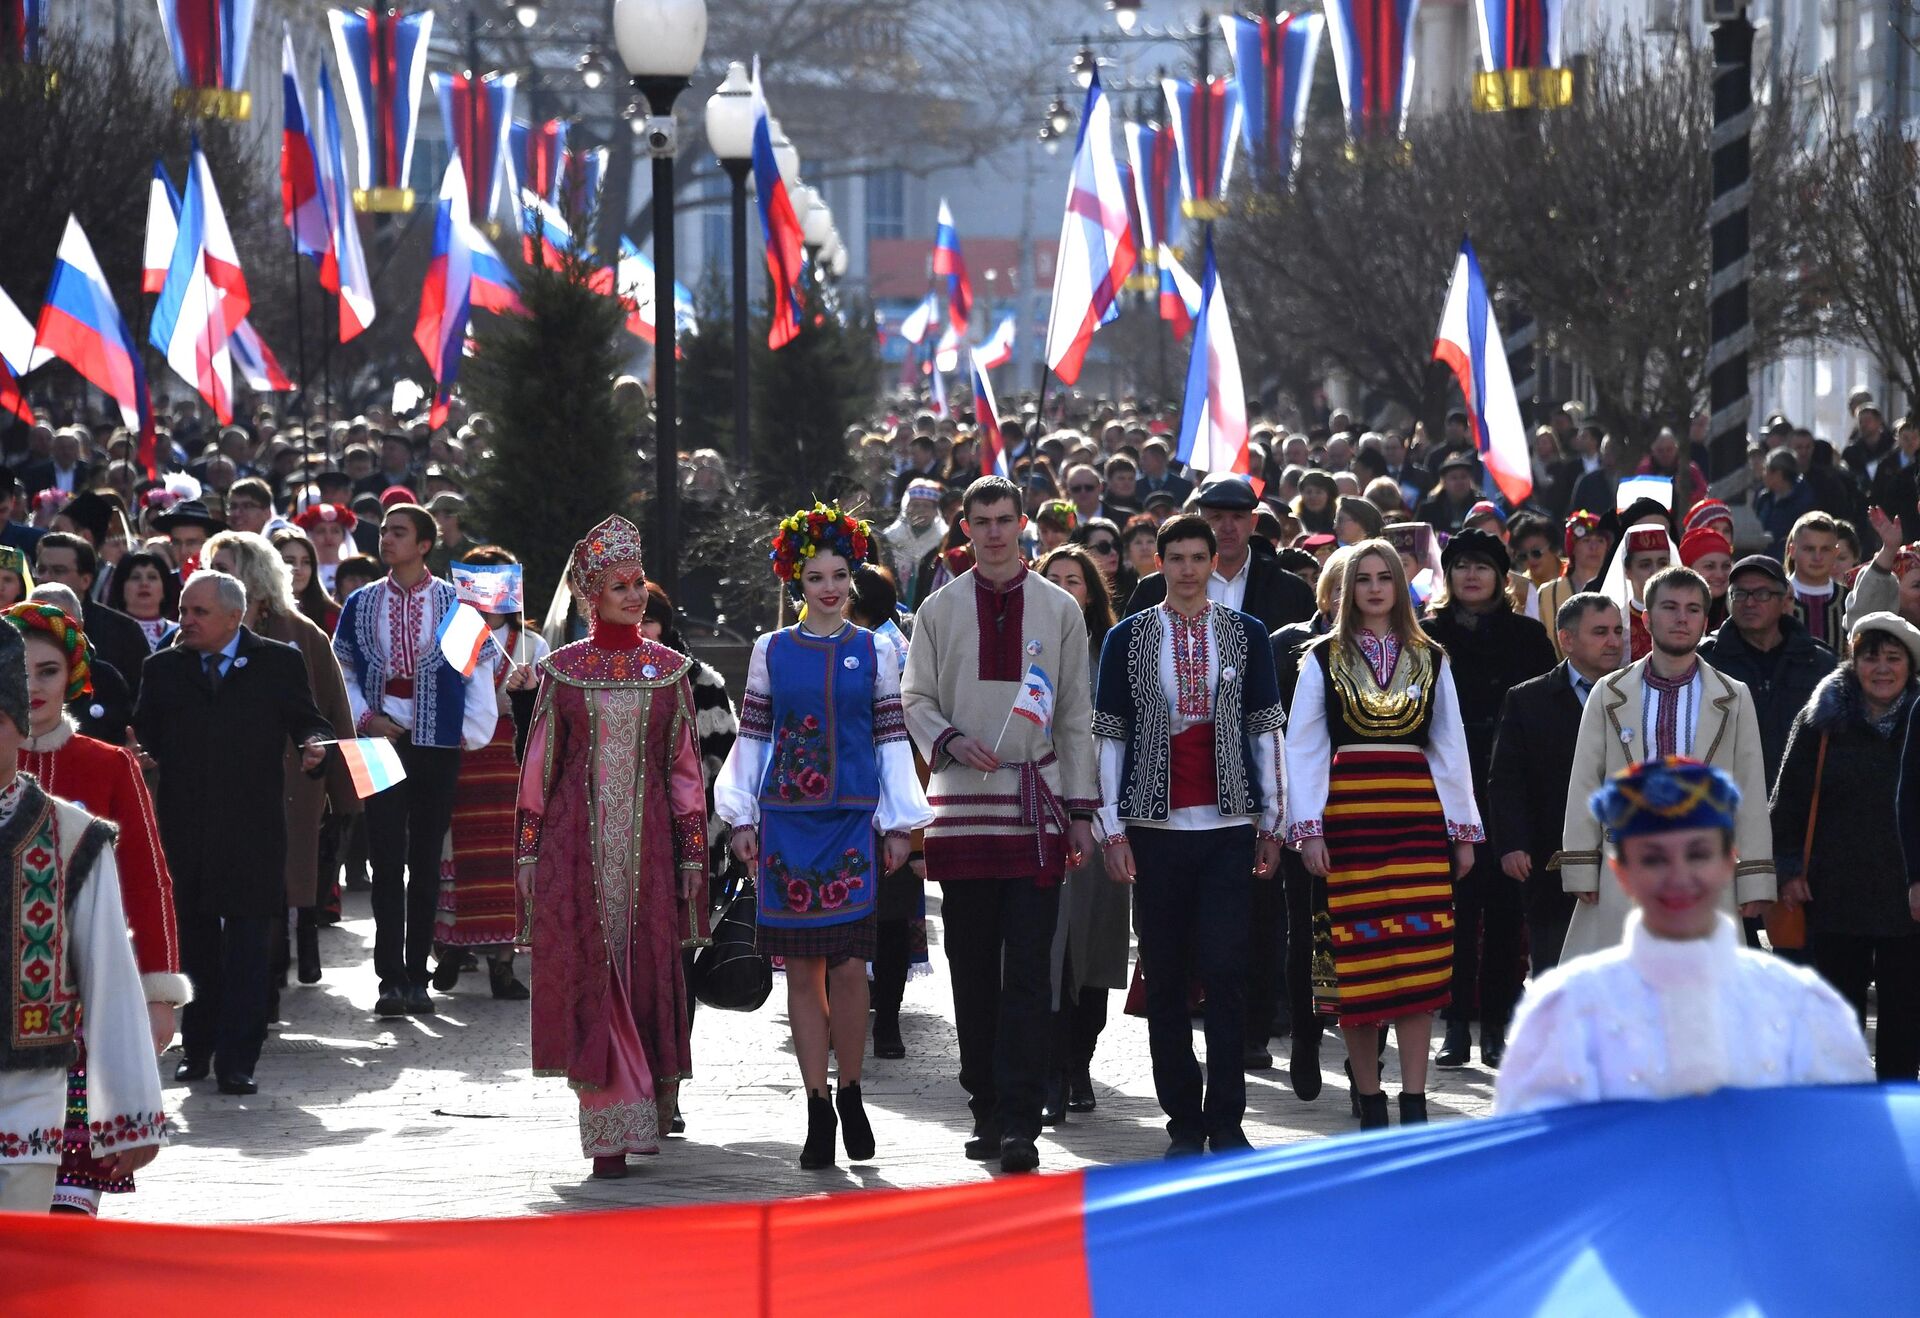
point(1383, 945)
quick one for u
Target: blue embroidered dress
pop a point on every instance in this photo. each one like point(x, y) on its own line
point(822, 764)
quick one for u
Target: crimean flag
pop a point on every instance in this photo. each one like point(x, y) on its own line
point(373, 764)
point(914, 328)
point(997, 351)
point(205, 294)
point(446, 297)
point(1153, 160)
point(986, 415)
point(463, 637)
point(1096, 251)
point(1469, 343)
point(946, 352)
point(303, 207)
point(81, 325)
point(343, 271)
point(1213, 414)
point(948, 261)
point(383, 62)
point(208, 40)
point(22, 23)
point(16, 358)
point(1373, 57)
point(1034, 701)
point(1205, 119)
point(779, 226)
point(1273, 61)
point(163, 229)
point(1521, 55)
point(257, 364)
point(477, 115)
point(537, 154)
point(1179, 295)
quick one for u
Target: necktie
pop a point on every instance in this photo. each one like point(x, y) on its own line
point(212, 662)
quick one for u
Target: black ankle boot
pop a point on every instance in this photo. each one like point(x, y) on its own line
point(1457, 1047)
point(855, 1129)
point(1053, 1106)
point(446, 971)
point(887, 1042)
point(307, 940)
point(817, 1152)
point(505, 984)
point(1493, 1043)
point(1303, 1065)
point(1373, 1111)
point(1413, 1110)
point(1080, 1095)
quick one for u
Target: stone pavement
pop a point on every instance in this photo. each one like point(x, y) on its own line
point(360, 1119)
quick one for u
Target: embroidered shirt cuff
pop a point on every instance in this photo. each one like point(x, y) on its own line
point(940, 744)
point(526, 842)
point(1302, 829)
point(360, 724)
point(690, 840)
point(1465, 832)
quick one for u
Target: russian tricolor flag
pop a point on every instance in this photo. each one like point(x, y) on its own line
point(1373, 56)
point(786, 246)
point(383, 59)
point(545, 236)
point(1520, 34)
point(1096, 251)
point(948, 261)
point(1469, 343)
point(640, 290)
point(80, 325)
point(537, 153)
point(205, 294)
point(997, 351)
point(986, 415)
point(1153, 160)
point(446, 298)
point(494, 287)
point(344, 269)
point(16, 357)
point(373, 764)
point(208, 40)
point(1213, 415)
point(22, 35)
point(303, 207)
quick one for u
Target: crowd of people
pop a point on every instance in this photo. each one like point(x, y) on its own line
point(1343, 742)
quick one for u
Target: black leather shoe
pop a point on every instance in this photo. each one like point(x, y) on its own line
point(238, 1083)
point(1080, 1096)
point(1457, 1048)
point(1255, 1057)
point(1053, 1107)
point(307, 943)
point(1303, 1064)
point(392, 1000)
point(193, 1069)
point(1493, 1043)
point(1018, 1155)
point(446, 972)
point(1183, 1147)
point(984, 1146)
point(678, 1126)
point(504, 984)
point(1229, 1141)
point(419, 1001)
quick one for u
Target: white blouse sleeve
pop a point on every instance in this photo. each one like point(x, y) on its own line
point(1268, 751)
point(123, 1080)
point(1309, 755)
point(903, 803)
point(1547, 1063)
point(1447, 759)
point(1828, 1048)
point(736, 791)
point(1112, 757)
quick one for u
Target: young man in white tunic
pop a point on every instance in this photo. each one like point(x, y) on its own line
point(1682, 1006)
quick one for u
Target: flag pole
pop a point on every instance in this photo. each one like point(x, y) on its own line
point(300, 331)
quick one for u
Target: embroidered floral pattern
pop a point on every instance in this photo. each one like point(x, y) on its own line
point(820, 890)
point(1193, 696)
point(1465, 832)
point(1383, 655)
point(619, 1128)
point(802, 761)
point(32, 1144)
point(47, 1009)
point(690, 841)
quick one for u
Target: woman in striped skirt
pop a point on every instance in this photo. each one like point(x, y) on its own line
point(1380, 806)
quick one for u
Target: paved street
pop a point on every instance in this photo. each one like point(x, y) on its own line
point(363, 1119)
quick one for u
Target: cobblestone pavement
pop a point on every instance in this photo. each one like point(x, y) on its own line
point(361, 1119)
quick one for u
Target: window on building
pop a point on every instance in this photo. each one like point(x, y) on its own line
point(887, 204)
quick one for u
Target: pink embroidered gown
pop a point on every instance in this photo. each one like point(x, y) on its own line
point(612, 810)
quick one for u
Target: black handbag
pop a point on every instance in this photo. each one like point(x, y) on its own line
point(731, 974)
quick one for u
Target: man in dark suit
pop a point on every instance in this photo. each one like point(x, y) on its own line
point(69, 560)
point(1249, 577)
point(216, 714)
point(1533, 759)
point(1157, 474)
point(64, 469)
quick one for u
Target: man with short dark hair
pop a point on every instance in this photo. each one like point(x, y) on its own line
point(1764, 646)
point(250, 505)
point(1784, 499)
point(1666, 704)
point(400, 686)
point(68, 560)
point(1446, 509)
point(396, 466)
point(1247, 577)
point(14, 534)
point(1188, 721)
point(1014, 799)
point(1533, 760)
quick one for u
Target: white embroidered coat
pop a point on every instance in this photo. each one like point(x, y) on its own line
point(1655, 1018)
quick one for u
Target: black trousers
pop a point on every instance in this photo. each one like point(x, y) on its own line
point(1077, 1022)
point(1489, 949)
point(999, 939)
point(230, 965)
point(406, 827)
point(892, 958)
point(1296, 886)
point(1191, 895)
point(1850, 962)
point(1267, 919)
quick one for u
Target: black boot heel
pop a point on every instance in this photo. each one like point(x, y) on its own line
point(817, 1152)
point(855, 1129)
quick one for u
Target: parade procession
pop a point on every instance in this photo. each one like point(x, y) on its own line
point(651, 633)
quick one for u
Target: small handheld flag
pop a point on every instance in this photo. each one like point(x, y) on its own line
point(492, 589)
point(373, 764)
point(463, 638)
point(1035, 701)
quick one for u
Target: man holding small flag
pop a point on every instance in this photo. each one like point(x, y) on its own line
point(1013, 791)
point(216, 711)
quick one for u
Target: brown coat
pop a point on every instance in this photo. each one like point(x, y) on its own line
point(309, 799)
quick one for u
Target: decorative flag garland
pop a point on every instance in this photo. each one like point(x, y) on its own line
point(383, 62)
point(208, 40)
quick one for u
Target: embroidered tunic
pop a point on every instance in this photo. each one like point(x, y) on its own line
point(821, 763)
point(1653, 1018)
point(612, 813)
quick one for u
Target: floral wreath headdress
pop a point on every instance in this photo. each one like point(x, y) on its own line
point(823, 528)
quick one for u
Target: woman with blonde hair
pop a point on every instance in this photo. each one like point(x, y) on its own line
point(273, 613)
point(1380, 806)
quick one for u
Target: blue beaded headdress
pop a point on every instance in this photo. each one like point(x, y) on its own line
point(1664, 795)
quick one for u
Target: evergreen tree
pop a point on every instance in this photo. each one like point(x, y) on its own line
point(564, 452)
point(706, 370)
point(806, 397)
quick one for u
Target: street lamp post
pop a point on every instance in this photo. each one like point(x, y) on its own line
point(730, 134)
point(660, 42)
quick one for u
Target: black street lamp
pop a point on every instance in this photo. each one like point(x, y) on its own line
point(730, 134)
point(660, 42)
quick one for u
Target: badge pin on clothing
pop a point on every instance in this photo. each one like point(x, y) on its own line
point(649, 672)
point(240, 662)
point(1228, 673)
point(1626, 736)
point(96, 711)
point(1033, 648)
point(850, 662)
